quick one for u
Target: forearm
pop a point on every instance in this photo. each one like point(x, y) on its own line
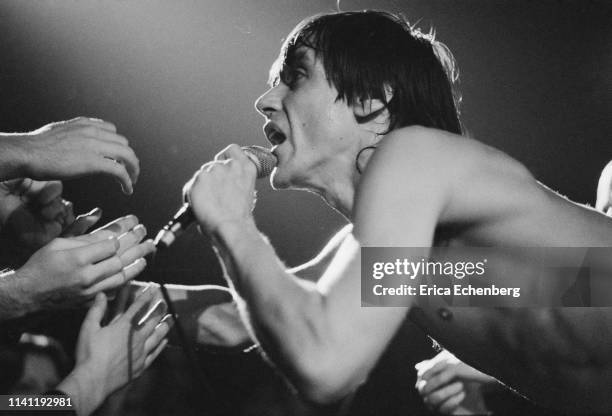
point(13, 297)
point(86, 393)
point(284, 312)
point(12, 162)
point(303, 326)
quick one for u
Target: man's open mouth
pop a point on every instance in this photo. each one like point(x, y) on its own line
point(274, 134)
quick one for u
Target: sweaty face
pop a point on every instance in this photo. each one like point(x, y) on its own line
point(308, 128)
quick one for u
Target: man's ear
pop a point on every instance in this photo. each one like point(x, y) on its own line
point(370, 108)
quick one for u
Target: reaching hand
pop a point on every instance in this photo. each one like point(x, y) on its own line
point(33, 212)
point(78, 147)
point(70, 271)
point(450, 386)
point(107, 358)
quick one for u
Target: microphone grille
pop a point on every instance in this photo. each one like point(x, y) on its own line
point(263, 159)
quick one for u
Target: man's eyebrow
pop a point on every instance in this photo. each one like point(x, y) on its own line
point(299, 56)
point(295, 57)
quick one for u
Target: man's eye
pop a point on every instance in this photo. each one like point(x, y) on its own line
point(289, 77)
point(299, 73)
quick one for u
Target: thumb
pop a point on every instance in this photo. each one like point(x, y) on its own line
point(83, 223)
point(96, 312)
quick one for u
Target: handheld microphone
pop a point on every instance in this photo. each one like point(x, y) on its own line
point(264, 161)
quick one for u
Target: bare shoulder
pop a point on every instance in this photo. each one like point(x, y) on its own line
point(405, 186)
point(439, 159)
point(412, 154)
point(467, 178)
point(440, 148)
point(416, 141)
point(405, 149)
point(455, 155)
point(425, 176)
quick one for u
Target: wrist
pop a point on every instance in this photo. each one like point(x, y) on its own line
point(83, 389)
point(16, 291)
point(13, 157)
point(228, 231)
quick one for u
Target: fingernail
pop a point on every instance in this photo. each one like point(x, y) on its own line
point(167, 319)
point(140, 230)
point(150, 312)
point(96, 212)
point(141, 261)
point(131, 217)
point(127, 189)
point(152, 248)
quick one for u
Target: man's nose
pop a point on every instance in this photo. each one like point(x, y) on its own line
point(269, 102)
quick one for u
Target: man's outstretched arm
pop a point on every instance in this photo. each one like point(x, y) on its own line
point(220, 325)
point(69, 149)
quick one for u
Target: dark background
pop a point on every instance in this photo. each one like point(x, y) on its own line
point(179, 79)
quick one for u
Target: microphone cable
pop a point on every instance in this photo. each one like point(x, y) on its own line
point(265, 162)
point(200, 376)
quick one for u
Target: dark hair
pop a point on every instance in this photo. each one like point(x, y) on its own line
point(366, 52)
